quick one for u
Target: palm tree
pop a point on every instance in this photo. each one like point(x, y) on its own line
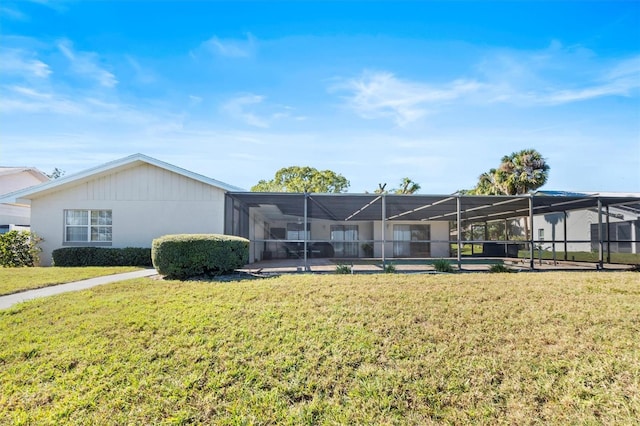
point(487, 184)
point(407, 186)
point(522, 172)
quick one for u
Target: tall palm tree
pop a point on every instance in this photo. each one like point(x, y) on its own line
point(522, 172)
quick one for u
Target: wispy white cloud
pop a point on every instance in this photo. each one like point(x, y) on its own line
point(19, 100)
point(557, 75)
point(13, 13)
point(30, 92)
point(238, 109)
point(194, 100)
point(621, 80)
point(553, 76)
point(21, 62)
point(233, 48)
point(383, 95)
point(87, 65)
point(252, 110)
point(142, 74)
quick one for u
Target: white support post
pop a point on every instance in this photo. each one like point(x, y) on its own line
point(384, 231)
point(566, 252)
point(306, 263)
point(459, 227)
point(600, 237)
point(608, 238)
point(531, 240)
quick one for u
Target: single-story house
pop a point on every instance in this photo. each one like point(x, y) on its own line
point(17, 215)
point(131, 201)
point(620, 226)
point(124, 203)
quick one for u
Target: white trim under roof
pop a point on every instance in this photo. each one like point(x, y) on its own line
point(24, 196)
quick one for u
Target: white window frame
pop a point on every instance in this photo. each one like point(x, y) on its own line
point(89, 227)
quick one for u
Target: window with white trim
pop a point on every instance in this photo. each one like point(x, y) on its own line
point(85, 226)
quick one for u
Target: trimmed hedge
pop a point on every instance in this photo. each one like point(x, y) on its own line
point(189, 255)
point(102, 256)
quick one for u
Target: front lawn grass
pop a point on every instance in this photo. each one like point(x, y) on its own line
point(13, 280)
point(527, 348)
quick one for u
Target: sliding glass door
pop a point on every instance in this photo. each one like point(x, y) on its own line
point(344, 239)
point(411, 241)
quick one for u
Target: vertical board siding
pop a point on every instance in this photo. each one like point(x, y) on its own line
point(145, 183)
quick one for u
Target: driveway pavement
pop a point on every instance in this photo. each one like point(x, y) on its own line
point(12, 299)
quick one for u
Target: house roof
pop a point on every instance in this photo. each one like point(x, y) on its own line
point(10, 185)
point(8, 171)
point(12, 170)
point(107, 168)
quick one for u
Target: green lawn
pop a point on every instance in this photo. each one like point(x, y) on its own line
point(526, 348)
point(13, 280)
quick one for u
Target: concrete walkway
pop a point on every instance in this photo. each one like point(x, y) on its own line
point(12, 299)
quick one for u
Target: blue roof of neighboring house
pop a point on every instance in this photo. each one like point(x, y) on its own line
point(562, 193)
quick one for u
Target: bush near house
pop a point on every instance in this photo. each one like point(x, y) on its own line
point(443, 265)
point(189, 255)
point(19, 248)
point(101, 256)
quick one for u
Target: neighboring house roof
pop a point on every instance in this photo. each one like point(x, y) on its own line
point(9, 182)
point(12, 170)
point(107, 168)
point(588, 193)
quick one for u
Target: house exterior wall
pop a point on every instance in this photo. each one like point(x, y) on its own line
point(146, 202)
point(11, 214)
point(439, 232)
point(578, 228)
point(15, 214)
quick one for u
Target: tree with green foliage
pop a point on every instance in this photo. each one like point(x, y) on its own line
point(55, 174)
point(19, 248)
point(518, 173)
point(407, 186)
point(522, 172)
point(303, 179)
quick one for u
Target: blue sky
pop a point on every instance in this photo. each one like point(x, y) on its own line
point(377, 91)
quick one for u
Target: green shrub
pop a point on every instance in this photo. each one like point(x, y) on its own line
point(390, 268)
point(190, 255)
point(442, 265)
point(343, 269)
point(102, 256)
point(499, 268)
point(19, 248)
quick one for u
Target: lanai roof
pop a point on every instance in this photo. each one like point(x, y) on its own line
point(367, 207)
